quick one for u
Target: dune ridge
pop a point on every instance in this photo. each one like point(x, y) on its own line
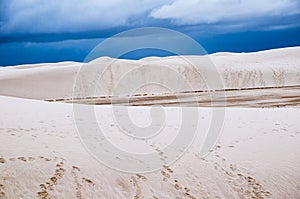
point(274, 68)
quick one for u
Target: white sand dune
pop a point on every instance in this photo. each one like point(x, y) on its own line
point(273, 68)
point(256, 156)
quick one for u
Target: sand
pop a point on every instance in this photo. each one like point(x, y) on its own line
point(275, 68)
point(256, 154)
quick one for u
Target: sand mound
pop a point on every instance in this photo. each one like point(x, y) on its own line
point(274, 68)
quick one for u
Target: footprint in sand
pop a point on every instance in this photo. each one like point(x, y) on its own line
point(78, 186)
point(160, 153)
point(167, 176)
point(42, 194)
point(141, 177)
point(48, 186)
point(138, 192)
point(168, 168)
point(88, 181)
point(177, 186)
point(31, 158)
point(185, 191)
point(22, 159)
point(47, 189)
point(2, 193)
point(244, 185)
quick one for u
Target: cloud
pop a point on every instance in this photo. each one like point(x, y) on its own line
point(70, 19)
point(189, 12)
point(34, 16)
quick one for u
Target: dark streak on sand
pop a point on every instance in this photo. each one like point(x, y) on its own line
point(245, 97)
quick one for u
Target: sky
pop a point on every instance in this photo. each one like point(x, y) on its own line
point(35, 31)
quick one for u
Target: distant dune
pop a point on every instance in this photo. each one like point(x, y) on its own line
point(274, 68)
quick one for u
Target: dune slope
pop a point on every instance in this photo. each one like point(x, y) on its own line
point(41, 154)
